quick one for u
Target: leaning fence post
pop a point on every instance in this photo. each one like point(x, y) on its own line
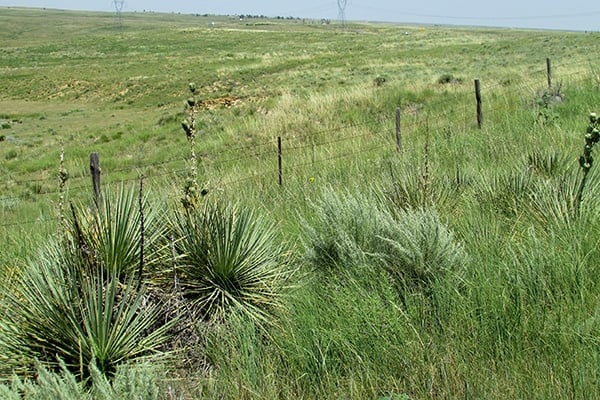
point(279, 161)
point(398, 130)
point(95, 171)
point(479, 108)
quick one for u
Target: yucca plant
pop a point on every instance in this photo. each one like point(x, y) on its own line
point(505, 192)
point(230, 259)
point(61, 311)
point(558, 201)
point(546, 162)
point(119, 322)
point(554, 201)
point(82, 300)
point(123, 235)
point(586, 161)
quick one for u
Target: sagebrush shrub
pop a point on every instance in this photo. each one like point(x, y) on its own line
point(413, 245)
point(342, 230)
point(140, 381)
point(418, 249)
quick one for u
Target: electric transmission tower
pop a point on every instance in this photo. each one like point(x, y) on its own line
point(118, 13)
point(342, 11)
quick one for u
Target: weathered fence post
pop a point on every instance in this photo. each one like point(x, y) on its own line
point(398, 131)
point(549, 72)
point(279, 161)
point(479, 108)
point(95, 171)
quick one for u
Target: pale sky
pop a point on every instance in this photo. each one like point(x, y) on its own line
point(581, 15)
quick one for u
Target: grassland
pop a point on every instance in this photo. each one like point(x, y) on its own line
point(517, 317)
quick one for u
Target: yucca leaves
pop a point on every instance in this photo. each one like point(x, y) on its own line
point(113, 232)
point(81, 299)
point(230, 259)
point(117, 324)
point(61, 311)
point(42, 315)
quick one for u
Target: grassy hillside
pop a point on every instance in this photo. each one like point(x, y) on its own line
point(462, 266)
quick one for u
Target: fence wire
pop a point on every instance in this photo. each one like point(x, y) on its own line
point(323, 142)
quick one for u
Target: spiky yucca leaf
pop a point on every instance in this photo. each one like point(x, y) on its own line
point(231, 259)
point(42, 317)
point(61, 310)
point(117, 323)
point(554, 202)
point(112, 233)
point(506, 192)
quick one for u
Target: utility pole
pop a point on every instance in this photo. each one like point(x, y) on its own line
point(342, 11)
point(118, 13)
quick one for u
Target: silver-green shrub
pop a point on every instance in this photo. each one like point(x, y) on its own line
point(349, 230)
point(417, 248)
point(139, 381)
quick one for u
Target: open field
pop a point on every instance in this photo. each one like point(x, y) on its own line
point(462, 266)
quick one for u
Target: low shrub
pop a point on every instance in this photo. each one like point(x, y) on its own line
point(418, 249)
point(448, 79)
point(130, 382)
point(342, 230)
point(413, 245)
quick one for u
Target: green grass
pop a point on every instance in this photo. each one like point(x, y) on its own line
point(510, 312)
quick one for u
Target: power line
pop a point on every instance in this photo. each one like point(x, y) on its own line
point(118, 13)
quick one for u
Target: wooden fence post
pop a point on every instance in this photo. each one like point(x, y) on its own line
point(398, 130)
point(479, 108)
point(95, 171)
point(279, 161)
point(549, 72)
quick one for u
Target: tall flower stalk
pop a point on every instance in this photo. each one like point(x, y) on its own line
point(592, 136)
point(190, 189)
point(63, 176)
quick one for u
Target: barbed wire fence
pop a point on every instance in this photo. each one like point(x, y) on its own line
point(278, 159)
